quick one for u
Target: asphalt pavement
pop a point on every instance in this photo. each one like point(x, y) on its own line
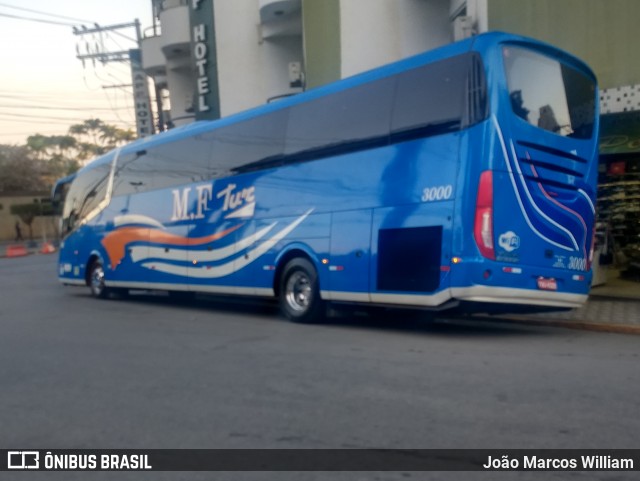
point(149, 372)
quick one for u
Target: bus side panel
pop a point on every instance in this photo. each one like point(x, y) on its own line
point(135, 238)
point(350, 254)
point(255, 262)
point(411, 248)
point(227, 235)
point(73, 257)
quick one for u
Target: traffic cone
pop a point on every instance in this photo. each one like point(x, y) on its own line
point(47, 248)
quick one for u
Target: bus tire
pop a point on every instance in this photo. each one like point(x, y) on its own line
point(95, 280)
point(299, 292)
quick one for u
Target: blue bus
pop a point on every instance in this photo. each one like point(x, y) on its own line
point(461, 176)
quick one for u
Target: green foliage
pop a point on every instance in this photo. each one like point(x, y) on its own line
point(20, 170)
point(28, 212)
point(96, 138)
point(45, 158)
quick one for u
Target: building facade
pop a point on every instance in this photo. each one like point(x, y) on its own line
point(258, 50)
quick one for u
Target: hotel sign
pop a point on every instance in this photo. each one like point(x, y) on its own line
point(141, 102)
point(203, 53)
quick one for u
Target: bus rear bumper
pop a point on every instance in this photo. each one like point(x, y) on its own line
point(507, 295)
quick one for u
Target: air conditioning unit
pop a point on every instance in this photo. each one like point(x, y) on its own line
point(296, 75)
point(463, 27)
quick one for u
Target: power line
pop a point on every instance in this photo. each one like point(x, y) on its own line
point(42, 94)
point(45, 103)
point(17, 117)
point(140, 91)
point(50, 22)
point(110, 37)
point(76, 109)
point(114, 108)
point(2, 4)
point(11, 134)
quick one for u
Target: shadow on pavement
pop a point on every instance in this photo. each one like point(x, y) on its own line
point(340, 316)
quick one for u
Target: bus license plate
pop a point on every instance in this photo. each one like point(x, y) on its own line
point(547, 284)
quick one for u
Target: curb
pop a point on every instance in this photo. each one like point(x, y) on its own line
point(16, 250)
point(582, 325)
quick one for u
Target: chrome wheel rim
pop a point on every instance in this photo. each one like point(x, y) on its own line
point(298, 292)
point(97, 280)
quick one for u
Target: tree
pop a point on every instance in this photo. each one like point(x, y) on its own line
point(98, 137)
point(20, 170)
point(28, 213)
point(45, 158)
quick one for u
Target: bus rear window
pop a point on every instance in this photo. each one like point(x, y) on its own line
point(550, 95)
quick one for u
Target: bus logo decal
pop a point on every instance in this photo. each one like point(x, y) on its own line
point(509, 241)
point(243, 212)
point(236, 203)
point(204, 193)
point(241, 202)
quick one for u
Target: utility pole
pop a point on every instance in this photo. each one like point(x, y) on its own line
point(141, 100)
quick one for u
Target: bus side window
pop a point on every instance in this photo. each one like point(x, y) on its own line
point(179, 162)
point(128, 178)
point(248, 145)
point(348, 118)
point(165, 165)
point(430, 100)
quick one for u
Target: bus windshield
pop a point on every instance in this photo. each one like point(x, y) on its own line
point(549, 94)
point(86, 192)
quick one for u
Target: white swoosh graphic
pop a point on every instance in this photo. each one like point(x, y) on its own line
point(535, 206)
point(141, 252)
point(515, 189)
point(136, 219)
point(213, 272)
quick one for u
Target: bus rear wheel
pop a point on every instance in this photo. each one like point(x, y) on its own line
point(299, 293)
point(96, 281)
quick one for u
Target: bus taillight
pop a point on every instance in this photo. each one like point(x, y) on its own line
point(483, 228)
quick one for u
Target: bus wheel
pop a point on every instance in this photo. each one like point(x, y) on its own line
point(299, 294)
point(96, 281)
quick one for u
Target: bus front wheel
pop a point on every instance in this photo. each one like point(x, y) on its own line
point(96, 281)
point(299, 293)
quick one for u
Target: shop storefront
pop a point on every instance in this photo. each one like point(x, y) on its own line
point(618, 210)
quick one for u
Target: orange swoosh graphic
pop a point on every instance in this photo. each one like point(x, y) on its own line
point(115, 242)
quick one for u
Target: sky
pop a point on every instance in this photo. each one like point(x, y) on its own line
point(44, 88)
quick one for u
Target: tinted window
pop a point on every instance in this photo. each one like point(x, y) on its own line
point(173, 163)
point(349, 117)
point(549, 94)
point(131, 176)
point(437, 98)
point(248, 144)
point(431, 99)
point(179, 162)
point(477, 106)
